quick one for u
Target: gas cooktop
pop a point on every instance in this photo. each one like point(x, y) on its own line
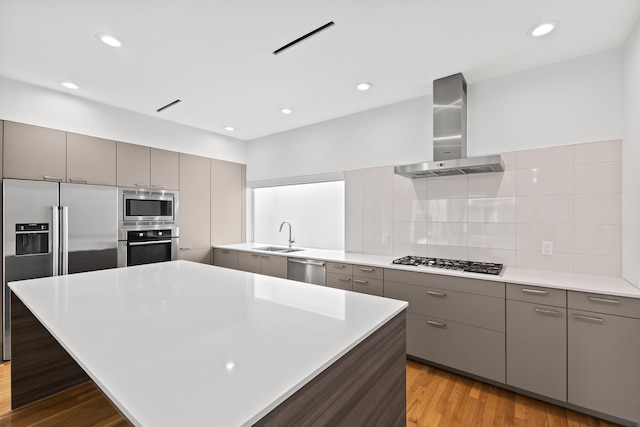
point(451, 264)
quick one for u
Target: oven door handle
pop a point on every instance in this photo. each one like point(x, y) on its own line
point(150, 242)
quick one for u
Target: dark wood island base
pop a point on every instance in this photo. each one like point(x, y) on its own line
point(365, 387)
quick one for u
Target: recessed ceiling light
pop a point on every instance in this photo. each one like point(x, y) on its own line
point(543, 29)
point(286, 111)
point(364, 86)
point(109, 40)
point(69, 85)
point(229, 128)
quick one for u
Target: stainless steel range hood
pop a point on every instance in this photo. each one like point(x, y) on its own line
point(450, 136)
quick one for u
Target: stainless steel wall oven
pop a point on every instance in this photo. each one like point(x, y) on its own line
point(148, 226)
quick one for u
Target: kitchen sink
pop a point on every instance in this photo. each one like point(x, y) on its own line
point(278, 249)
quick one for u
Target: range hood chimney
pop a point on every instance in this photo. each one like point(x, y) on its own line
point(450, 136)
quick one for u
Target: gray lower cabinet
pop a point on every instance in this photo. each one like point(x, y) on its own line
point(275, 266)
point(269, 265)
point(468, 348)
point(537, 348)
point(250, 262)
point(339, 281)
point(604, 354)
point(225, 258)
point(452, 321)
point(196, 255)
point(368, 280)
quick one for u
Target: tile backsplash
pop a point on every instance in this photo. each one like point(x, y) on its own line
point(568, 195)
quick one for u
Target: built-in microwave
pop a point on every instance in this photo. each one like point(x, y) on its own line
point(148, 207)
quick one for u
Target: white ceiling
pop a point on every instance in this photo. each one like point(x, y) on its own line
point(216, 56)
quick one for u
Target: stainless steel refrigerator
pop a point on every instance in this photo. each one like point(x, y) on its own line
point(51, 229)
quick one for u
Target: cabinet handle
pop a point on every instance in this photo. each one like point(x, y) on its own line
point(607, 300)
point(159, 187)
point(362, 282)
point(255, 255)
point(369, 270)
point(264, 256)
point(52, 178)
point(340, 267)
point(588, 318)
point(224, 251)
point(534, 291)
point(549, 312)
point(140, 185)
point(436, 324)
point(344, 279)
point(77, 181)
point(185, 249)
point(436, 294)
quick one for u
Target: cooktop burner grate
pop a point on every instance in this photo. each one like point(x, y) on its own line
point(451, 264)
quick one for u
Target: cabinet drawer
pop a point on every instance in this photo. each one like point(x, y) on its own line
point(368, 286)
point(225, 258)
point(248, 261)
point(339, 281)
point(470, 309)
point(609, 304)
point(537, 294)
point(473, 286)
point(537, 348)
point(339, 268)
point(474, 350)
point(273, 265)
point(367, 271)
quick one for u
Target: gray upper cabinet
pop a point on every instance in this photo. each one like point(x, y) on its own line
point(165, 169)
point(90, 160)
point(133, 165)
point(33, 152)
point(227, 202)
point(537, 348)
point(195, 202)
point(604, 354)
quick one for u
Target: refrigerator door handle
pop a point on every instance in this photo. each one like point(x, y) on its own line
point(55, 239)
point(65, 239)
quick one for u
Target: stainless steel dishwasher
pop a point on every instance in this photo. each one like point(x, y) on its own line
point(306, 270)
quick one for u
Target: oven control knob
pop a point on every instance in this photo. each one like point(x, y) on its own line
point(159, 233)
point(140, 234)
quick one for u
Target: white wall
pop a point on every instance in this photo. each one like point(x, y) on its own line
point(630, 159)
point(565, 103)
point(45, 107)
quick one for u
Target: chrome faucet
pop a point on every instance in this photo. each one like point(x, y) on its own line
point(291, 239)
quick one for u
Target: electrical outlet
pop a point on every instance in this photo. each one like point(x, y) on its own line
point(547, 248)
point(385, 239)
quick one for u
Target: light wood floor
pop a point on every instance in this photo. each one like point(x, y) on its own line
point(435, 398)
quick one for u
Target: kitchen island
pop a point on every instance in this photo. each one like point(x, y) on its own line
point(181, 343)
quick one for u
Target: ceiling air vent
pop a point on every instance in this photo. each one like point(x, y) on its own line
point(171, 104)
point(306, 36)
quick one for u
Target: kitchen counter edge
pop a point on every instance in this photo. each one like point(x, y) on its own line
point(609, 285)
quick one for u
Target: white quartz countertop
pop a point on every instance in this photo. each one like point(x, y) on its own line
point(569, 281)
point(180, 343)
